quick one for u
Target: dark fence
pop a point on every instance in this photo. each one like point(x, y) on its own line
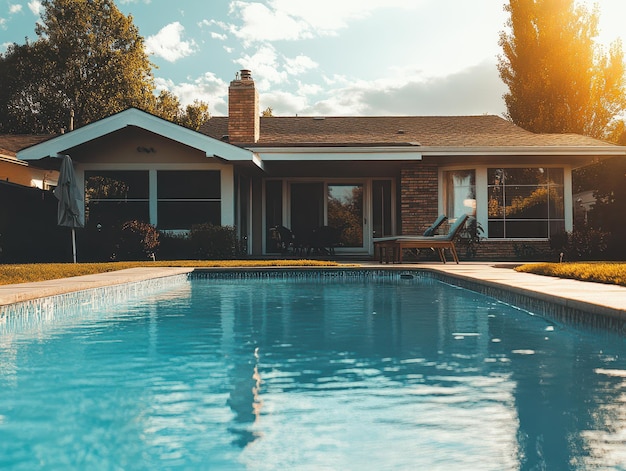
point(28, 226)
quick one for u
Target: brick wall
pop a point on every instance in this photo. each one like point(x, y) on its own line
point(418, 197)
point(512, 250)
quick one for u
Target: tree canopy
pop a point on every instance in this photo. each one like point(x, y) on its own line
point(89, 59)
point(559, 79)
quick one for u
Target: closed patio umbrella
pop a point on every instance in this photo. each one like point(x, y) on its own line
point(71, 209)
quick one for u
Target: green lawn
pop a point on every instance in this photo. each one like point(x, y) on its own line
point(598, 272)
point(10, 274)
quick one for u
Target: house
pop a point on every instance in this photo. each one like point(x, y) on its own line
point(15, 171)
point(367, 176)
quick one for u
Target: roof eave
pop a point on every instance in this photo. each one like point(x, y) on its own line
point(339, 153)
point(140, 119)
point(608, 150)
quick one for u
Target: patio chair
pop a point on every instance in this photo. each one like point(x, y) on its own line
point(385, 246)
point(432, 230)
point(282, 237)
point(324, 239)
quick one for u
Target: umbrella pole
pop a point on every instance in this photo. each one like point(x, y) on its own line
point(74, 244)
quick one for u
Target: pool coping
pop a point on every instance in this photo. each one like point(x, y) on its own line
point(571, 299)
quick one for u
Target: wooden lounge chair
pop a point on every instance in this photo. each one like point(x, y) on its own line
point(432, 230)
point(386, 246)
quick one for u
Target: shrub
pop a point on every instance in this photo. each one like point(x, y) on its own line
point(175, 247)
point(137, 240)
point(209, 241)
point(585, 243)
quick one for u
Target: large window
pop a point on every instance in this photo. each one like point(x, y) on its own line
point(188, 197)
point(113, 197)
point(525, 202)
point(460, 193)
point(184, 197)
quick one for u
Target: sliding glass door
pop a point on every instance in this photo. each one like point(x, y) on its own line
point(354, 210)
point(337, 205)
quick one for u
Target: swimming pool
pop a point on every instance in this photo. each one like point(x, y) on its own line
point(362, 372)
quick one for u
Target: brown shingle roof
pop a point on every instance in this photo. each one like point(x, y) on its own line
point(428, 131)
point(10, 144)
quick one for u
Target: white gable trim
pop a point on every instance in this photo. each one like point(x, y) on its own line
point(134, 117)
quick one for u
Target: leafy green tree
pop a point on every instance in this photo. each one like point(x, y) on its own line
point(167, 106)
point(559, 80)
point(101, 64)
point(89, 59)
point(27, 100)
point(195, 115)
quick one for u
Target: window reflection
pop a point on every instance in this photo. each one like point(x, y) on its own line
point(345, 211)
point(525, 202)
point(113, 197)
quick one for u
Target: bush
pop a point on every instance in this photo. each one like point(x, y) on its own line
point(137, 240)
point(175, 247)
point(214, 242)
point(585, 243)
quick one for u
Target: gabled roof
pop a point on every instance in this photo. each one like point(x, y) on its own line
point(429, 132)
point(140, 119)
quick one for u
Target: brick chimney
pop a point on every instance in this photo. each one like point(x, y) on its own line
point(243, 110)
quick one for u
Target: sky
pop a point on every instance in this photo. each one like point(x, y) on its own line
point(325, 57)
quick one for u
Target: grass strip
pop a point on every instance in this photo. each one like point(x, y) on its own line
point(598, 272)
point(26, 273)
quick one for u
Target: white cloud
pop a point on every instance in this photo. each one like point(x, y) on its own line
point(221, 37)
point(473, 91)
point(309, 89)
point(303, 19)
point(207, 88)
point(316, 14)
point(262, 23)
point(168, 44)
point(299, 65)
point(35, 7)
point(265, 65)
point(288, 103)
point(15, 8)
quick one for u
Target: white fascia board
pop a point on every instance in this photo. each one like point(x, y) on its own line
point(140, 119)
point(525, 150)
point(346, 154)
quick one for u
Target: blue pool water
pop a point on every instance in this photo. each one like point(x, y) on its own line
point(310, 374)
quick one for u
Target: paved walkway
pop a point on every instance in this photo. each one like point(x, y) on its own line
point(598, 298)
point(592, 297)
point(10, 294)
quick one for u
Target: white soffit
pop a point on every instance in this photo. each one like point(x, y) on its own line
point(346, 154)
point(134, 117)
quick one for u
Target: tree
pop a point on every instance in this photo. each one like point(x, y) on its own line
point(26, 98)
point(195, 115)
point(89, 59)
point(559, 80)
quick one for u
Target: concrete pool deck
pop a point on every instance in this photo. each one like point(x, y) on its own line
point(594, 298)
